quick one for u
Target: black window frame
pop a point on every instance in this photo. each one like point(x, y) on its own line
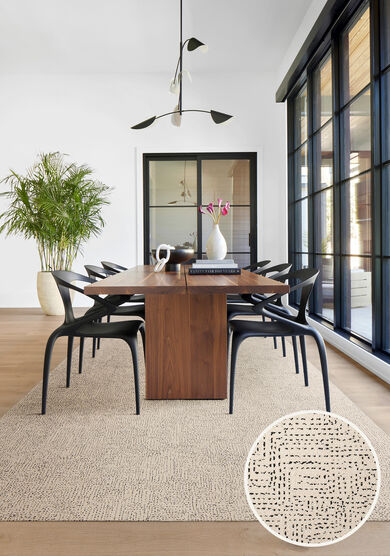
point(199, 157)
point(329, 37)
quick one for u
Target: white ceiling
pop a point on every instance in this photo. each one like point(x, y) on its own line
point(121, 36)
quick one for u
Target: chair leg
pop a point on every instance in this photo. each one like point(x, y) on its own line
point(283, 346)
point(275, 343)
point(94, 347)
point(133, 346)
point(324, 367)
point(296, 359)
point(98, 340)
point(108, 318)
point(46, 369)
point(69, 360)
point(304, 359)
point(236, 341)
point(142, 332)
point(81, 353)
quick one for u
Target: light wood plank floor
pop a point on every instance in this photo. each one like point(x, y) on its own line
point(23, 334)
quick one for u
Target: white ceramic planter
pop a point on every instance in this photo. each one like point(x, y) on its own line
point(48, 294)
point(216, 247)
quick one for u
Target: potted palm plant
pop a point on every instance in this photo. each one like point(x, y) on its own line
point(58, 204)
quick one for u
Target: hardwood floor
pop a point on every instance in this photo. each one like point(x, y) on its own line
point(23, 334)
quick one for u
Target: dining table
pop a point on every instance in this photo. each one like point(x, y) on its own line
point(185, 326)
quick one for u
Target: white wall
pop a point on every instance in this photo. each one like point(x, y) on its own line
point(89, 117)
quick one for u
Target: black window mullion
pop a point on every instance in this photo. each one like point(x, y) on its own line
point(376, 186)
point(337, 266)
point(310, 179)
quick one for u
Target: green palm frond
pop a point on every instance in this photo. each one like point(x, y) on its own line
point(58, 204)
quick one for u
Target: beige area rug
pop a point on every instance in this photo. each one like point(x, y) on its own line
point(91, 458)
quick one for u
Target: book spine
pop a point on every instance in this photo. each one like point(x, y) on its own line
point(214, 271)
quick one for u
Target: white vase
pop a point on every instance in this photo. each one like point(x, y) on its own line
point(48, 294)
point(216, 247)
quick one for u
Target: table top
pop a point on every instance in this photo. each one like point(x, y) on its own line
point(142, 279)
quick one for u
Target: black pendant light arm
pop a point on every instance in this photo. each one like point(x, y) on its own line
point(180, 57)
point(178, 112)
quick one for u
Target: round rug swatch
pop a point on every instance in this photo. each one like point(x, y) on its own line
point(312, 478)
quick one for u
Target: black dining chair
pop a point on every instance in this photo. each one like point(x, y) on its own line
point(283, 325)
point(88, 327)
point(239, 309)
point(256, 266)
point(98, 271)
point(137, 310)
point(236, 297)
point(114, 267)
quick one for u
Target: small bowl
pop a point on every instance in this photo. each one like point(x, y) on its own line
point(178, 255)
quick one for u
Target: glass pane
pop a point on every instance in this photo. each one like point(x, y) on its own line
point(302, 226)
point(357, 296)
point(386, 304)
point(323, 93)
point(323, 157)
point(356, 124)
point(357, 216)
point(235, 228)
point(227, 179)
point(386, 210)
point(172, 182)
point(324, 288)
point(174, 225)
point(300, 116)
point(356, 62)
point(323, 221)
point(301, 172)
point(385, 31)
point(386, 116)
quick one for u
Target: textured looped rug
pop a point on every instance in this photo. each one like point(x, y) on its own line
point(92, 458)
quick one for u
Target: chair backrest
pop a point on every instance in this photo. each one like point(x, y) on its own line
point(98, 271)
point(276, 270)
point(304, 281)
point(113, 266)
point(256, 266)
point(64, 279)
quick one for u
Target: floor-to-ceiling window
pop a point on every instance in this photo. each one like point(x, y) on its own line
point(176, 184)
point(339, 173)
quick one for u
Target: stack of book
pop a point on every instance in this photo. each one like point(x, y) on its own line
point(214, 266)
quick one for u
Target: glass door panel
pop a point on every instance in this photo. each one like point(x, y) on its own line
point(173, 183)
point(176, 226)
point(226, 179)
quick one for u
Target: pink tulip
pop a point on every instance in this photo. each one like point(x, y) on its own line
point(224, 211)
point(219, 203)
point(227, 206)
point(201, 210)
point(210, 209)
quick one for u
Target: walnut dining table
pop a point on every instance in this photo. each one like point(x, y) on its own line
point(185, 325)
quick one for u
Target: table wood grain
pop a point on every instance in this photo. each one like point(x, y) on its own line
point(140, 279)
point(246, 282)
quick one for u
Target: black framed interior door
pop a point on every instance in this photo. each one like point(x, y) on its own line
point(176, 184)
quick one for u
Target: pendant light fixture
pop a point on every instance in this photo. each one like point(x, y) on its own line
point(176, 85)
